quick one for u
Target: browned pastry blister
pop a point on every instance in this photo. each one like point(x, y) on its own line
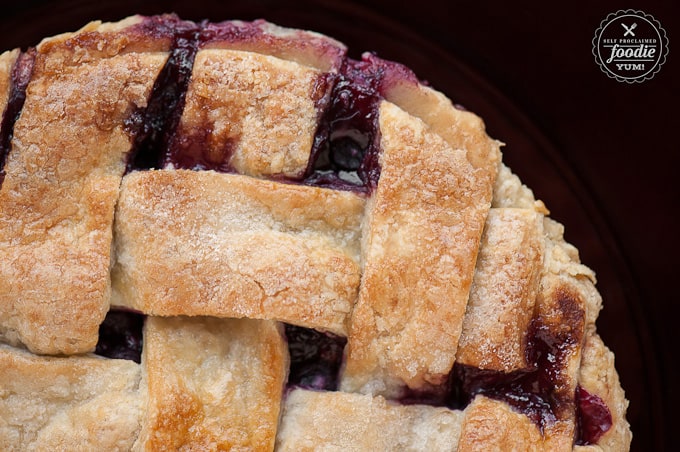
point(232, 236)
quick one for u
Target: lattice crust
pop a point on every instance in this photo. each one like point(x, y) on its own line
point(503, 292)
point(231, 248)
point(422, 235)
point(7, 60)
point(257, 112)
point(340, 421)
point(59, 192)
point(213, 384)
point(213, 179)
point(74, 403)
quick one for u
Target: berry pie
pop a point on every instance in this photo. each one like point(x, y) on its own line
point(233, 236)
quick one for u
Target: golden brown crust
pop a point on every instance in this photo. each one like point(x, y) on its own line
point(423, 230)
point(338, 421)
point(271, 136)
point(223, 245)
point(503, 291)
point(564, 307)
point(490, 425)
point(300, 46)
point(74, 403)
point(509, 191)
point(7, 60)
point(98, 40)
point(460, 129)
point(58, 197)
point(230, 247)
point(598, 376)
point(560, 314)
point(213, 384)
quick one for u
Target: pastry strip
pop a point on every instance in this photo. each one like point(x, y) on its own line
point(58, 196)
point(234, 246)
point(503, 291)
point(338, 421)
point(459, 128)
point(492, 425)
point(248, 112)
point(564, 301)
point(74, 403)
point(300, 46)
point(213, 384)
point(422, 233)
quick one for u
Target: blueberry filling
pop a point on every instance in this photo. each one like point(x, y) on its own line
point(120, 335)
point(19, 78)
point(539, 391)
point(154, 126)
point(345, 156)
point(525, 391)
point(235, 32)
point(345, 151)
point(594, 417)
point(315, 358)
point(190, 150)
point(346, 146)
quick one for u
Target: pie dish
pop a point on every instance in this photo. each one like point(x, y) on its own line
point(233, 236)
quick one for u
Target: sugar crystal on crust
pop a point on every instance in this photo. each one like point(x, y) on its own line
point(343, 197)
point(58, 196)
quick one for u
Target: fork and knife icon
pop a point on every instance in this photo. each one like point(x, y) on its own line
point(629, 30)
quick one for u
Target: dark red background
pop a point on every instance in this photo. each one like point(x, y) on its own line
point(602, 154)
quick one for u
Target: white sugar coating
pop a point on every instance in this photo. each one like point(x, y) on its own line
point(336, 421)
point(237, 247)
point(55, 403)
point(449, 259)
